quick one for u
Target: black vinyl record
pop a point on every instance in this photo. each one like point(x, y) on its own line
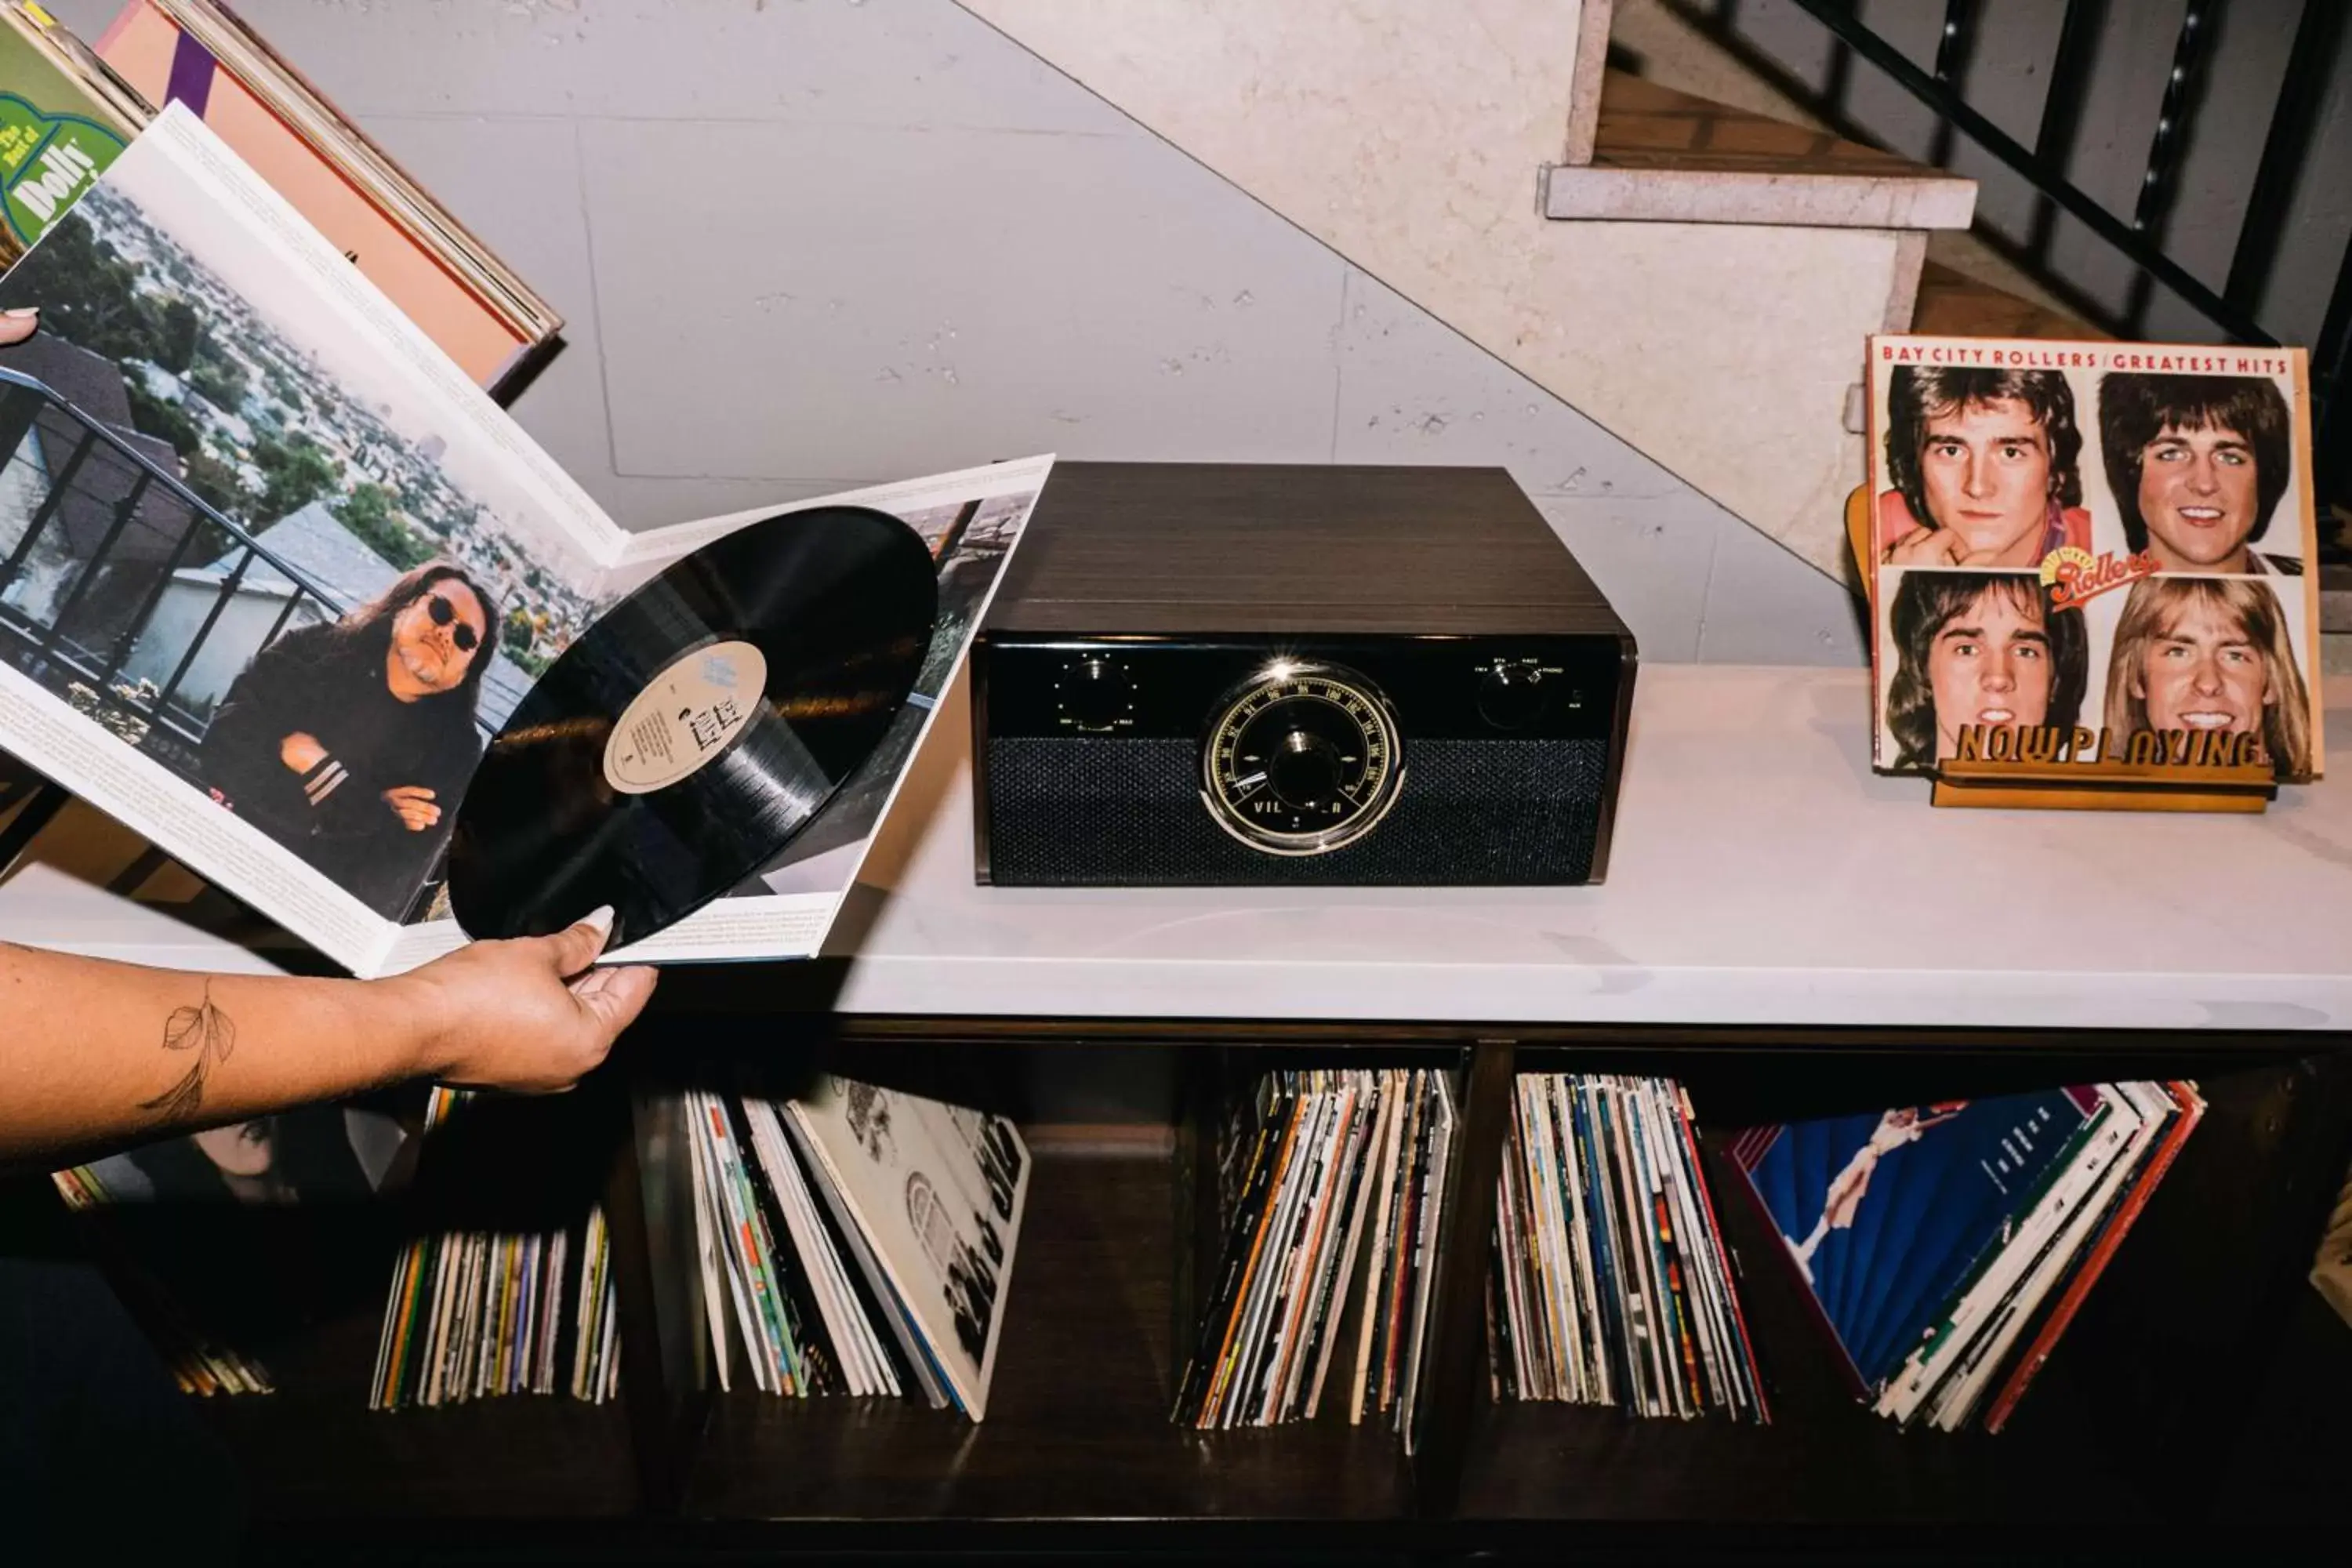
point(695, 727)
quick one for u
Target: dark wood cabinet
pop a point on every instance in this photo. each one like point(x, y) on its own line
point(2205, 1388)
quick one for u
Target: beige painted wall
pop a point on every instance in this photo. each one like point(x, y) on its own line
point(1409, 135)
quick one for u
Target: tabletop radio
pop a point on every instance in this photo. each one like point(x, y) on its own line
point(1223, 674)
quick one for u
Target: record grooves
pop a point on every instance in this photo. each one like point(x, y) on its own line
point(705, 720)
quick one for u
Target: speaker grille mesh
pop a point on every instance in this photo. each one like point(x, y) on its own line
point(1077, 811)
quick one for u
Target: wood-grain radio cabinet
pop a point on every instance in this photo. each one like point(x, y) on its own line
point(1784, 932)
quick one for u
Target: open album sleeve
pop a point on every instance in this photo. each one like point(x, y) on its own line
point(273, 570)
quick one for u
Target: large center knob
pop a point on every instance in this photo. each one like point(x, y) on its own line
point(1305, 769)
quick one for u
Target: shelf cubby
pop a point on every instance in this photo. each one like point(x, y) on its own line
point(1077, 1423)
point(2203, 1384)
point(2149, 1398)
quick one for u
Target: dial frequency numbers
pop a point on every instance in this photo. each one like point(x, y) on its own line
point(1300, 763)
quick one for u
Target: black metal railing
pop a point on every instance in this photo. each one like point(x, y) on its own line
point(2139, 238)
point(74, 608)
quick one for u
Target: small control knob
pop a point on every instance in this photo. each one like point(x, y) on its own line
point(1511, 699)
point(1304, 769)
point(1096, 692)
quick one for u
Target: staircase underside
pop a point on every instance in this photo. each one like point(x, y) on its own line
point(1412, 139)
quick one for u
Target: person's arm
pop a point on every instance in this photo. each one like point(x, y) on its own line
point(96, 1053)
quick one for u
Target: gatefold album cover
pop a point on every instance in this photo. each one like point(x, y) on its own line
point(273, 570)
point(2091, 551)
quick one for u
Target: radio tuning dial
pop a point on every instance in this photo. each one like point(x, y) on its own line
point(1301, 760)
point(1097, 692)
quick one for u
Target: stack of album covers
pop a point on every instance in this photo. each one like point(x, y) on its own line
point(201, 1363)
point(475, 1314)
point(1610, 1284)
point(2331, 1270)
point(230, 1245)
point(1333, 1187)
point(64, 117)
point(80, 108)
point(1947, 1246)
point(856, 1241)
point(202, 54)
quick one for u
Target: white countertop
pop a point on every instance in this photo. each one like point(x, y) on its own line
point(1761, 874)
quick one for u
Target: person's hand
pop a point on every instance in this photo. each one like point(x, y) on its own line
point(301, 752)
point(1926, 547)
point(17, 325)
point(414, 805)
point(528, 1015)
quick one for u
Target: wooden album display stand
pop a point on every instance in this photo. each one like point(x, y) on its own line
point(2104, 785)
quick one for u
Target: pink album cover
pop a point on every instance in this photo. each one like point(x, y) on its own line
point(165, 65)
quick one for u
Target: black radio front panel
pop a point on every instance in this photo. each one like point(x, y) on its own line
point(1334, 760)
point(1451, 687)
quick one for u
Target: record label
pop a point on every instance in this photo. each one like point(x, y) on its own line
point(685, 717)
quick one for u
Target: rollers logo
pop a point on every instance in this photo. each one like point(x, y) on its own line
point(2073, 574)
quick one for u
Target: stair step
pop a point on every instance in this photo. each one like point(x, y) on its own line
point(1955, 305)
point(1664, 157)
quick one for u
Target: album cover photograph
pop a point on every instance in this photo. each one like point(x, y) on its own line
point(1936, 1181)
point(61, 124)
point(2185, 668)
point(1959, 648)
point(2088, 552)
point(260, 540)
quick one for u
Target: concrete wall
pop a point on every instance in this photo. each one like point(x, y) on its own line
point(808, 244)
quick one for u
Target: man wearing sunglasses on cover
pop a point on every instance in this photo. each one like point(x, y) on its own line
point(350, 742)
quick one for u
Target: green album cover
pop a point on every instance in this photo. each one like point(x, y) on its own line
point(56, 136)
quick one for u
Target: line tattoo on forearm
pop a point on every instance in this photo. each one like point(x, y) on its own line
point(208, 1032)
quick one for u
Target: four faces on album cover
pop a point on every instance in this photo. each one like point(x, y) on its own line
point(1983, 471)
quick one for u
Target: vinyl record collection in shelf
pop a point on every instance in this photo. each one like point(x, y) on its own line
point(1123, 1259)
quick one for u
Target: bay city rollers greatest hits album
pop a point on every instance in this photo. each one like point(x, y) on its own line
point(2092, 553)
point(1321, 673)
